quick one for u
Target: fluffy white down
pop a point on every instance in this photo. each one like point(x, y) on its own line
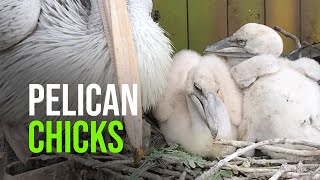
point(69, 47)
point(173, 112)
point(281, 98)
point(284, 103)
point(18, 19)
point(154, 52)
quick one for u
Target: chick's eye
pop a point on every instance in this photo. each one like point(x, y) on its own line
point(197, 87)
point(241, 42)
point(218, 90)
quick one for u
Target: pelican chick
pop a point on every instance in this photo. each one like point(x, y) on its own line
point(254, 39)
point(281, 98)
point(282, 104)
point(250, 40)
point(195, 108)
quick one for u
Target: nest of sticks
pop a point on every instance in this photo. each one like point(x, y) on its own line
point(162, 161)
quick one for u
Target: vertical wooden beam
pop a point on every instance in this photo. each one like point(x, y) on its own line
point(118, 31)
point(207, 22)
point(241, 12)
point(286, 14)
point(310, 21)
point(172, 16)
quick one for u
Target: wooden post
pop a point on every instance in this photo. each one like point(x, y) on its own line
point(3, 165)
point(118, 31)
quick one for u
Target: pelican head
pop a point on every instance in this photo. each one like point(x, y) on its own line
point(250, 40)
point(203, 100)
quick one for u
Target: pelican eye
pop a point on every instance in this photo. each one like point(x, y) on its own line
point(218, 90)
point(197, 88)
point(241, 42)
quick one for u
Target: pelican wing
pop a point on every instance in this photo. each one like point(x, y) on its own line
point(308, 67)
point(248, 71)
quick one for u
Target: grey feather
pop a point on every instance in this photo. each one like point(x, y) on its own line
point(69, 47)
point(18, 19)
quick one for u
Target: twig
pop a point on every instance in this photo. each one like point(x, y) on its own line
point(130, 170)
point(189, 171)
point(248, 170)
point(115, 167)
point(284, 168)
point(115, 175)
point(183, 176)
point(104, 157)
point(106, 164)
point(166, 172)
point(88, 156)
point(314, 174)
point(287, 141)
point(286, 175)
point(143, 168)
point(44, 157)
point(302, 153)
point(120, 156)
point(312, 45)
point(289, 35)
point(268, 172)
point(265, 161)
point(170, 172)
point(239, 152)
point(271, 171)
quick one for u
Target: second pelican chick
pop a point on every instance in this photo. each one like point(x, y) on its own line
point(198, 105)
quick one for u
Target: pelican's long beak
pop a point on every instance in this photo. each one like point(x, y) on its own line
point(214, 111)
point(229, 47)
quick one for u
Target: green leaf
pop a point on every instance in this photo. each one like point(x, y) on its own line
point(222, 173)
point(226, 173)
point(176, 154)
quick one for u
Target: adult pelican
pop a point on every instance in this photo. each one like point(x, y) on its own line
point(69, 46)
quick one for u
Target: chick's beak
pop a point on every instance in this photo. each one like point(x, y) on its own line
point(228, 48)
point(211, 119)
point(214, 111)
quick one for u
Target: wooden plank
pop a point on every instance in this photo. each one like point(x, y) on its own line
point(172, 16)
point(118, 31)
point(286, 14)
point(3, 165)
point(207, 22)
point(241, 12)
point(310, 21)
